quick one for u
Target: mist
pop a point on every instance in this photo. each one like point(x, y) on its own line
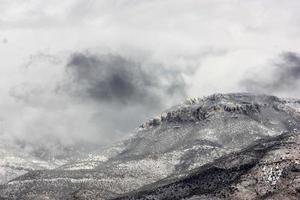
point(82, 72)
point(280, 78)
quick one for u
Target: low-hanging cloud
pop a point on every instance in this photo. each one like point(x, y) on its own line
point(87, 98)
point(123, 92)
point(284, 77)
point(133, 59)
point(115, 79)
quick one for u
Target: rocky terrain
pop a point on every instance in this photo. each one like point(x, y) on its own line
point(174, 149)
point(268, 169)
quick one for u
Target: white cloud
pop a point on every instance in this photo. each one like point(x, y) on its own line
point(214, 43)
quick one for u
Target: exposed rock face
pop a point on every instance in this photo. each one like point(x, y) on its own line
point(269, 169)
point(181, 139)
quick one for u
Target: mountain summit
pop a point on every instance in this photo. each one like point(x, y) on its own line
point(211, 140)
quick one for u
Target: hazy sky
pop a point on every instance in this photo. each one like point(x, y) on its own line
point(92, 70)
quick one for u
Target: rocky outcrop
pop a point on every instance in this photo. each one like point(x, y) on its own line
point(197, 109)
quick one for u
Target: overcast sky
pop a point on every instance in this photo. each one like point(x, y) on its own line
point(92, 70)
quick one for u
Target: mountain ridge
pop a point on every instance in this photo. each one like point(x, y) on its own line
point(182, 138)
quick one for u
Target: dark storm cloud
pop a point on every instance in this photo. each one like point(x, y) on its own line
point(285, 76)
point(113, 78)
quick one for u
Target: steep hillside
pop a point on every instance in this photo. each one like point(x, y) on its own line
point(181, 139)
point(268, 169)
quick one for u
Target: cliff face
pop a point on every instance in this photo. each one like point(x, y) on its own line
point(173, 145)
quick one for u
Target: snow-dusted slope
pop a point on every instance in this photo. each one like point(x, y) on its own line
point(179, 140)
point(267, 169)
point(15, 162)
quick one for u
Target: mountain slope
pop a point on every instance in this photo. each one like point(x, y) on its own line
point(268, 169)
point(183, 138)
point(16, 161)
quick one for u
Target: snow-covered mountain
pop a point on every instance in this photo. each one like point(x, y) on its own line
point(182, 139)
